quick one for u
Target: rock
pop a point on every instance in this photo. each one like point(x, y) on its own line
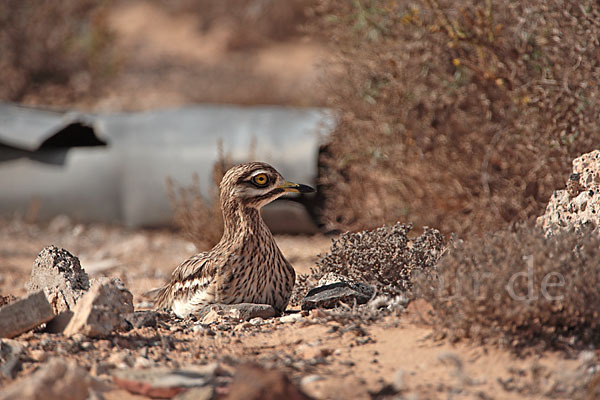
point(201, 393)
point(296, 317)
point(330, 278)
point(59, 323)
point(311, 385)
point(163, 382)
point(100, 311)
point(389, 302)
point(399, 380)
point(139, 319)
point(579, 204)
point(332, 295)
point(58, 273)
point(309, 379)
point(242, 311)
point(121, 360)
point(4, 300)
point(10, 352)
point(252, 382)
point(55, 380)
point(25, 314)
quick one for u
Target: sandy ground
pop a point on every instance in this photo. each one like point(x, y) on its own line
point(329, 356)
point(165, 60)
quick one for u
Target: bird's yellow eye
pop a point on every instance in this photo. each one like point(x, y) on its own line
point(260, 180)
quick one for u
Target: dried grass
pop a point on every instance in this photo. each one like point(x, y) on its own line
point(200, 220)
point(519, 289)
point(54, 51)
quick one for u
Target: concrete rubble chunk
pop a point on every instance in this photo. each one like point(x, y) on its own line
point(166, 383)
point(329, 296)
point(242, 311)
point(58, 273)
point(55, 380)
point(578, 205)
point(25, 314)
point(100, 311)
point(252, 382)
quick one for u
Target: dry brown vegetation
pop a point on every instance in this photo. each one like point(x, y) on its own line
point(518, 288)
point(384, 257)
point(200, 219)
point(463, 115)
point(54, 50)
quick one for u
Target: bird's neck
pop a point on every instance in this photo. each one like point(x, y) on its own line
point(239, 220)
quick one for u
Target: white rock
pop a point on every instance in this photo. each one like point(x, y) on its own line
point(582, 207)
point(291, 318)
point(59, 274)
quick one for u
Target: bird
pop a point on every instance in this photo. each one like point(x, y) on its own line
point(246, 265)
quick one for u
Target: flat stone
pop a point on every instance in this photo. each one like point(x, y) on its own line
point(55, 380)
point(332, 295)
point(252, 382)
point(58, 273)
point(242, 311)
point(100, 311)
point(163, 382)
point(24, 314)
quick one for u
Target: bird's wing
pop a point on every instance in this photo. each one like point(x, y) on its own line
point(191, 275)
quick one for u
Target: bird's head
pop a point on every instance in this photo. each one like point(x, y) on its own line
point(256, 184)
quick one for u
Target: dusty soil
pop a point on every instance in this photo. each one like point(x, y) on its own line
point(166, 60)
point(328, 354)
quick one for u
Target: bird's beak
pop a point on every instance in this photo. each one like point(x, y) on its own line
point(295, 187)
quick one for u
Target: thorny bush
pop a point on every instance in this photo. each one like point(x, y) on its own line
point(518, 288)
point(384, 257)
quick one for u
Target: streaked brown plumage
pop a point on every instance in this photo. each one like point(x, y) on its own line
point(246, 266)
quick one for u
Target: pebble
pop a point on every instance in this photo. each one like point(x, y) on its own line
point(291, 318)
point(310, 379)
point(143, 362)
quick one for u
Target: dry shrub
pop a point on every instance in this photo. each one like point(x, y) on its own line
point(464, 115)
point(507, 288)
point(53, 51)
point(384, 257)
point(199, 219)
